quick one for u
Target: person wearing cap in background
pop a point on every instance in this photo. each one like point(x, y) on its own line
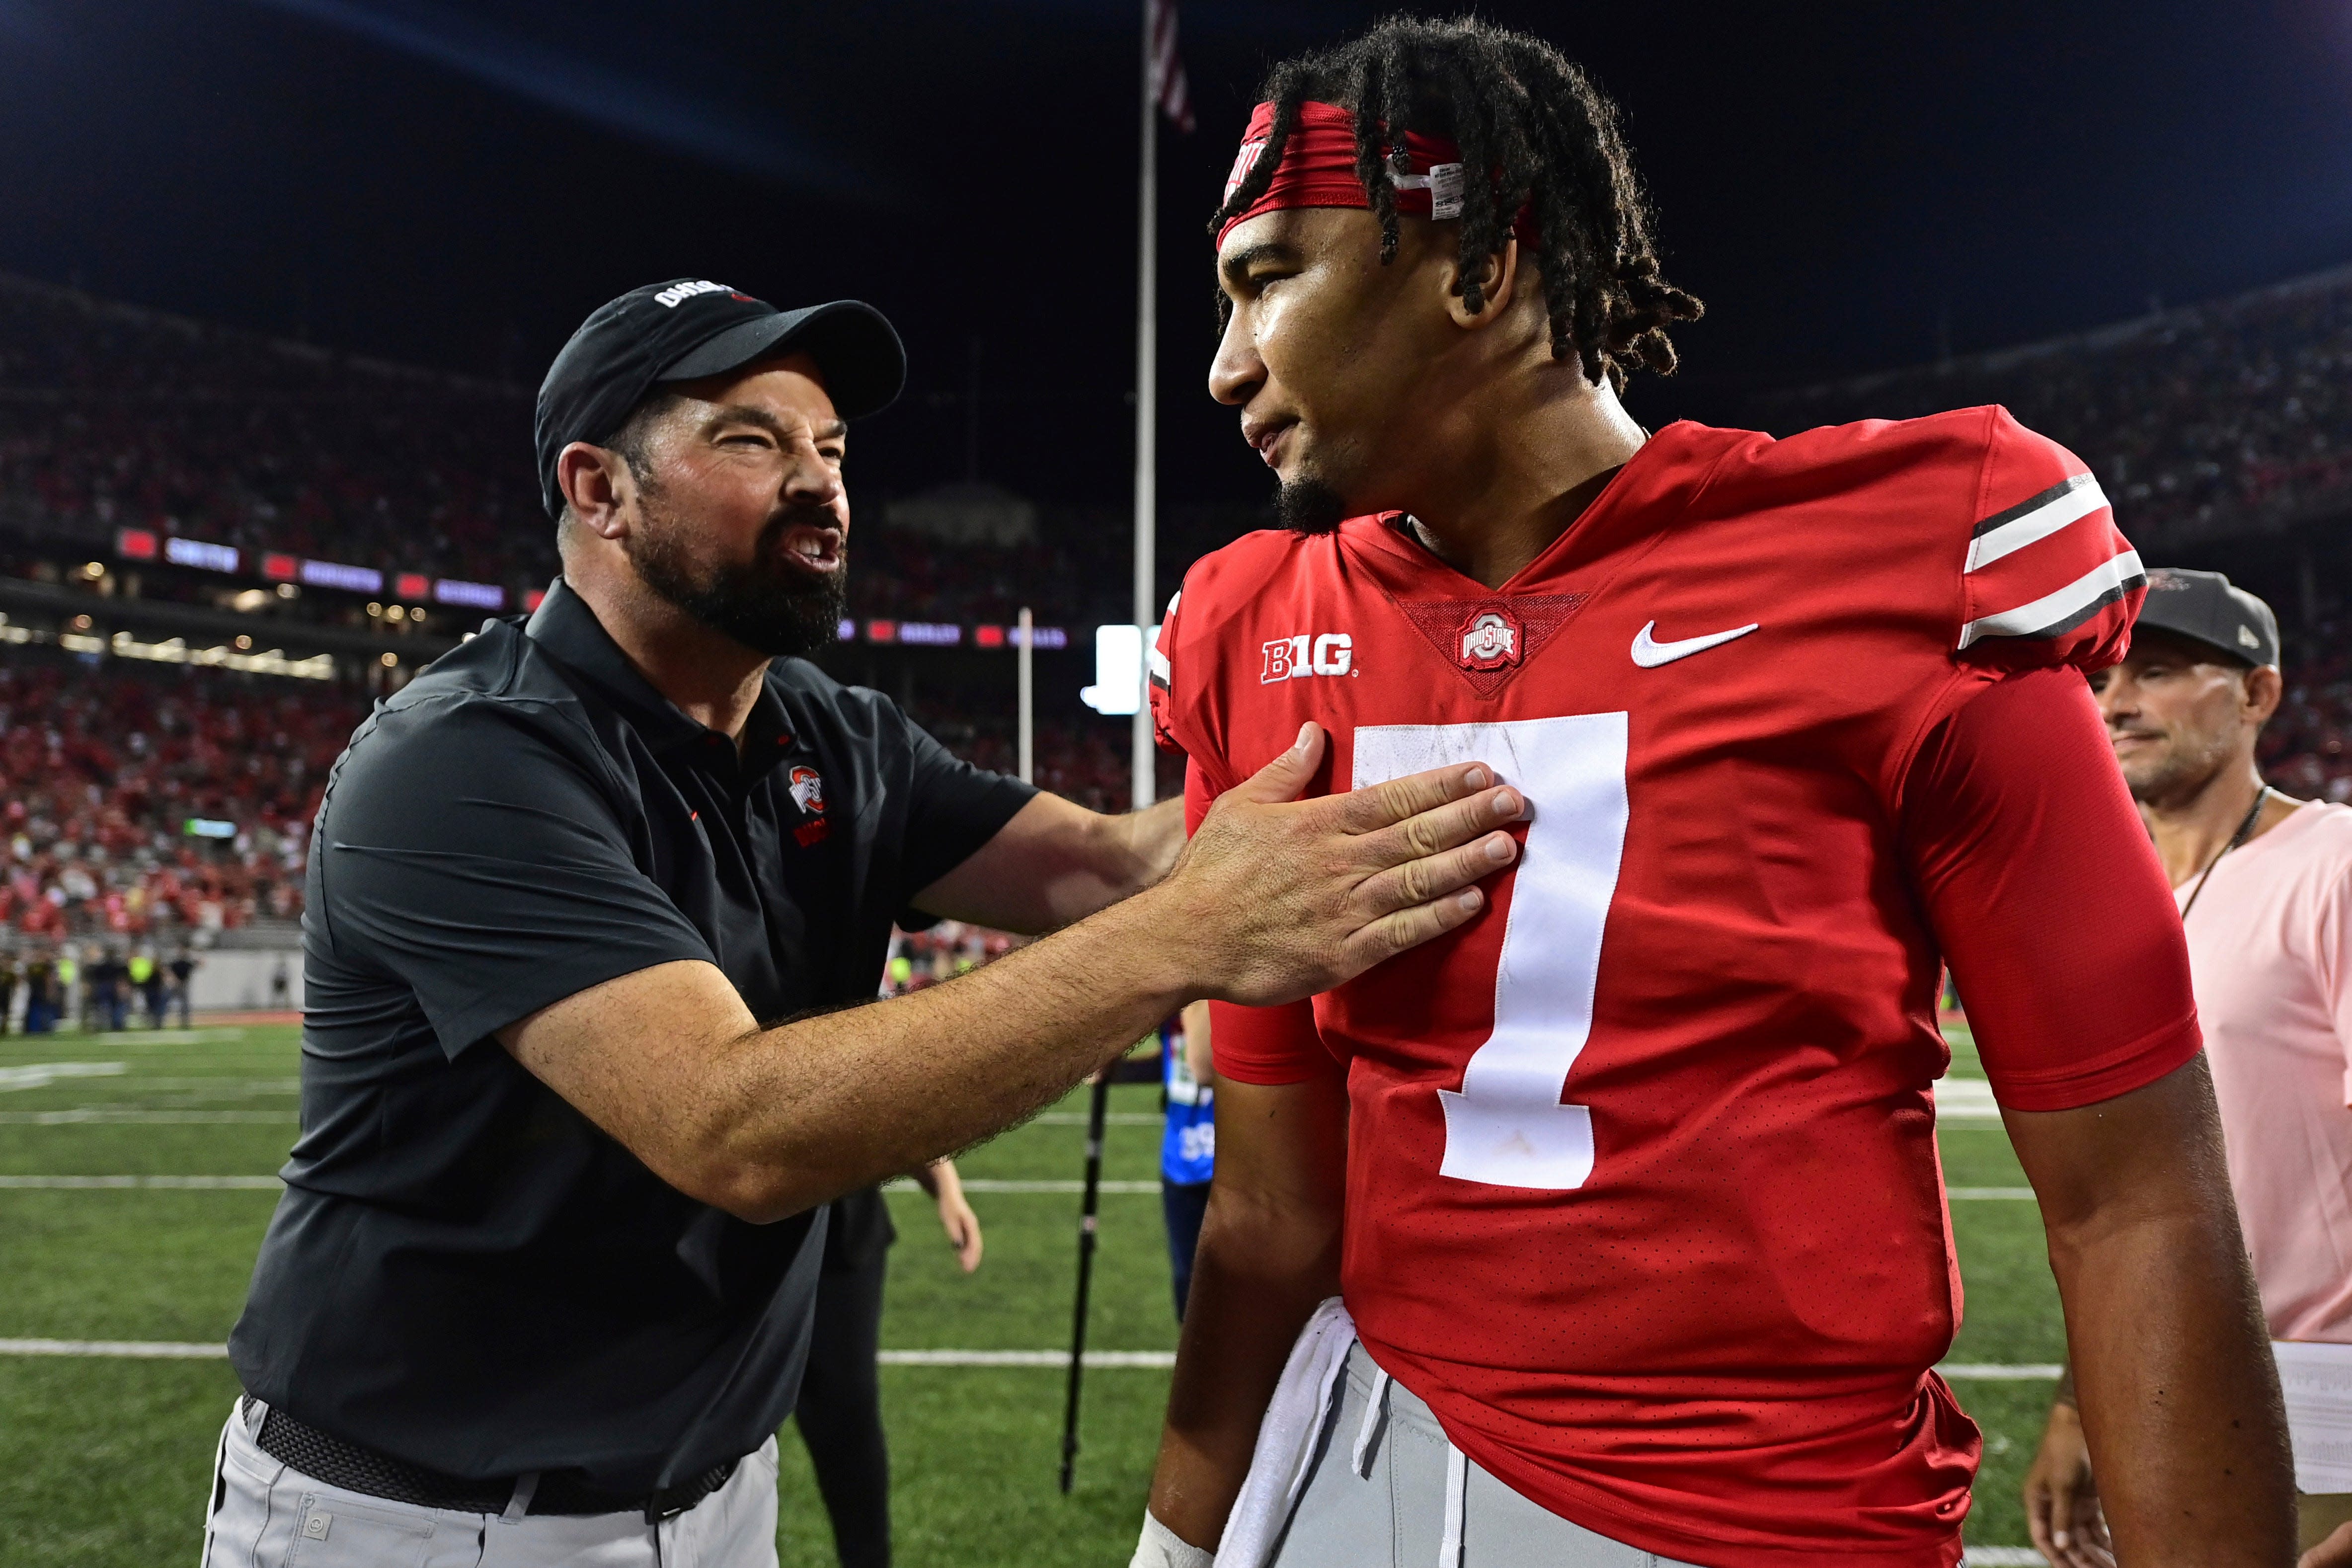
point(2265, 885)
point(588, 902)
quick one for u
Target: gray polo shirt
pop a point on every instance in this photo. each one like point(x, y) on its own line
point(464, 1272)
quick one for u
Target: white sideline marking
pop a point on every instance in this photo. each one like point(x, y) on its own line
point(1114, 1119)
point(1986, 1372)
point(118, 1116)
point(903, 1184)
point(1966, 1099)
point(271, 1184)
point(2003, 1557)
point(184, 1184)
point(162, 1350)
point(1025, 1358)
point(996, 1184)
point(40, 1075)
point(138, 1350)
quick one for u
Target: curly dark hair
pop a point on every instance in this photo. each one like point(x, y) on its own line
point(1521, 110)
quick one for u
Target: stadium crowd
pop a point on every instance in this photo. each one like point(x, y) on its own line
point(112, 417)
point(2231, 416)
point(2235, 413)
point(143, 808)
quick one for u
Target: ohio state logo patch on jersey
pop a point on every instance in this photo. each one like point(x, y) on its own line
point(808, 790)
point(1491, 638)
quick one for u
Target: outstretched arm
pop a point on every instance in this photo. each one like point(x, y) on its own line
point(1273, 898)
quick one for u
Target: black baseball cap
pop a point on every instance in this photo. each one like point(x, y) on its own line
point(2206, 607)
point(689, 328)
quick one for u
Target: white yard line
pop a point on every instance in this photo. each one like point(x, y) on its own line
point(271, 1184)
point(1055, 1187)
point(996, 1184)
point(174, 1183)
point(121, 1116)
point(1078, 1119)
point(1025, 1358)
point(137, 1350)
point(40, 1075)
point(162, 1350)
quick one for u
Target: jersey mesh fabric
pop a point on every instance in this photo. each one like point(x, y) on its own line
point(1714, 1342)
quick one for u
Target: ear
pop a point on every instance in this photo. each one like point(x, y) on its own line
point(2264, 687)
point(598, 487)
point(1498, 277)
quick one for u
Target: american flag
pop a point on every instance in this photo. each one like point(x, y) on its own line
point(1168, 84)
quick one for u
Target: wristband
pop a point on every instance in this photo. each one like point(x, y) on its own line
point(1161, 1547)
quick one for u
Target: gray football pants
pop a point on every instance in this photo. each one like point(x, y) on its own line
point(266, 1514)
point(1377, 1497)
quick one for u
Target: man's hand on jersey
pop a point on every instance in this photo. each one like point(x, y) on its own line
point(1281, 898)
point(2062, 1501)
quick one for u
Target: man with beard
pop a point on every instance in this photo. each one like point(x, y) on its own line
point(587, 903)
point(1628, 1190)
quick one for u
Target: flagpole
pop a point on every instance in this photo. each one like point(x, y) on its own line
point(1147, 398)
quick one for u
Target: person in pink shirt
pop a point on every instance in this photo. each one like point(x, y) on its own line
point(2265, 885)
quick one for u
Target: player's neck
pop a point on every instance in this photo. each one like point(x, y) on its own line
point(2191, 829)
point(1517, 470)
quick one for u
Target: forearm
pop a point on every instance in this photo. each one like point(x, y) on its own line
point(1117, 855)
point(801, 1113)
point(2178, 1397)
point(1261, 1268)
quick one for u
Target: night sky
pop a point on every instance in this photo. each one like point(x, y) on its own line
point(1849, 186)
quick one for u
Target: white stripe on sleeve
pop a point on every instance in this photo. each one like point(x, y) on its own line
point(2054, 613)
point(2044, 520)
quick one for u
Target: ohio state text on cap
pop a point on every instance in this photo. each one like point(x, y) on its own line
point(690, 328)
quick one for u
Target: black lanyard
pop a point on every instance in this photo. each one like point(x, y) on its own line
point(2245, 831)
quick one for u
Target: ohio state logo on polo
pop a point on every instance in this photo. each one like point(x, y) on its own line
point(808, 790)
point(1490, 640)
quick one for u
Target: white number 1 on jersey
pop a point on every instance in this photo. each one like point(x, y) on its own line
point(1506, 1126)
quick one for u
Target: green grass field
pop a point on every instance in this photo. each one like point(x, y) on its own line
point(104, 1459)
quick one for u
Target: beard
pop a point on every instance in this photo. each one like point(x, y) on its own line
point(766, 604)
point(1309, 507)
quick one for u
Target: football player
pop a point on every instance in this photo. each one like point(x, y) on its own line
point(1630, 1187)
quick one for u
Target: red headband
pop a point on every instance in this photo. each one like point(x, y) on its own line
point(1318, 170)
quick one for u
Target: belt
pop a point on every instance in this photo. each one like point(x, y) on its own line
point(355, 1468)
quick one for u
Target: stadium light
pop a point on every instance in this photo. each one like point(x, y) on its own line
point(1118, 668)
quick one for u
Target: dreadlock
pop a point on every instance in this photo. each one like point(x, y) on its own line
point(1522, 111)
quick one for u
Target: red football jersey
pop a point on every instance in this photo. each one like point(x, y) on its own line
point(1642, 1191)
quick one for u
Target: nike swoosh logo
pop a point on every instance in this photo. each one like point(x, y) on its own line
point(1650, 653)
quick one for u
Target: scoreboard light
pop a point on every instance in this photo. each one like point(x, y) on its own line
point(411, 585)
point(455, 591)
point(882, 631)
point(280, 568)
point(846, 631)
point(988, 637)
point(335, 574)
point(204, 556)
point(1118, 668)
point(930, 634)
point(134, 543)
